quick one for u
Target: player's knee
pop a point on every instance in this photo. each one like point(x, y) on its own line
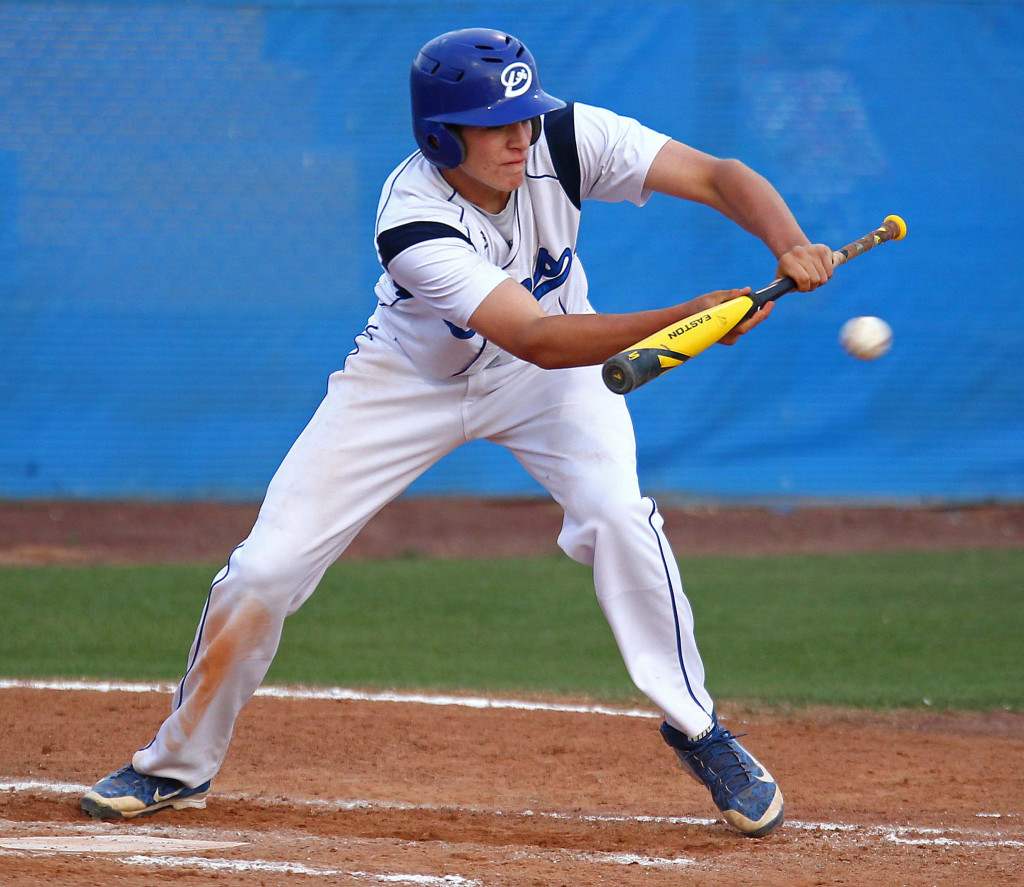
point(607, 520)
point(262, 575)
point(616, 516)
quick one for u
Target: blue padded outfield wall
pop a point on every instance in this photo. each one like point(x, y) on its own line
point(187, 194)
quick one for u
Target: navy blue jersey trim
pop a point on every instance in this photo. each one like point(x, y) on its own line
point(366, 333)
point(395, 240)
point(476, 357)
point(560, 131)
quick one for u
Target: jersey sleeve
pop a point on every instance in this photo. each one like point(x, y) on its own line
point(615, 154)
point(448, 274)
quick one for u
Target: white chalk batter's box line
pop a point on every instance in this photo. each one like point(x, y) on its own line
point(338, 694)
point(266, 866)
point(103, 838)
point(914, 836)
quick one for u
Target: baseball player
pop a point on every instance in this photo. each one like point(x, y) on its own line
point(483, 329)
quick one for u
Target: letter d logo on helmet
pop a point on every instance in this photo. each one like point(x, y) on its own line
point(474, 77)
point(517, 78)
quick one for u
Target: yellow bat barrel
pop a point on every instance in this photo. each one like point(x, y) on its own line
point(672, 346)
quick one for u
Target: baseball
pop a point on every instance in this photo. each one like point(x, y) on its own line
point(866, 338)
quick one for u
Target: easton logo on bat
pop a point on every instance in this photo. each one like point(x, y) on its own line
point(686, 327)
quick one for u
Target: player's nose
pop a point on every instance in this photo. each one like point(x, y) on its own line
point(520, 134)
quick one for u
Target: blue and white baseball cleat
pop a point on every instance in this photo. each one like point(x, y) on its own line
point(125, 794)
point(749, 798)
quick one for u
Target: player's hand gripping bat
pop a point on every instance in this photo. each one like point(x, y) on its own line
point(677, 343)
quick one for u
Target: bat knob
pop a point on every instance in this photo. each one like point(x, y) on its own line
point(628, 370)
point(899, 225)
point(617, 377)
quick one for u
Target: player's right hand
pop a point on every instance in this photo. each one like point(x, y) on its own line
point(809, 265)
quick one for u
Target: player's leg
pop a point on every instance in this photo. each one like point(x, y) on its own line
point(576, 439)
point(376, 430)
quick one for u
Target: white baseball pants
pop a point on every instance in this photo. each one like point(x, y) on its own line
point(379, 427)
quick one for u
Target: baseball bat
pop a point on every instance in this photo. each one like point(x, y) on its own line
point(685, 339)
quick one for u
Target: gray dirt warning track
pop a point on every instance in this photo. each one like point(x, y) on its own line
point(385, 790)
point(41, 532)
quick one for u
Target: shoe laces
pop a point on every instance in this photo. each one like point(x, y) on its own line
point(132, 778)
point(721, 760)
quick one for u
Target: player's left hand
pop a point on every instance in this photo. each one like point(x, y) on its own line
point(809, 265)
point(757, 317)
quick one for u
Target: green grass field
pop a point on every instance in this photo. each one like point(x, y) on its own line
point(885, 630)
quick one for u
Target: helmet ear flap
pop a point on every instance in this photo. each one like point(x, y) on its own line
point(535, 126)
point(440, 143)
point(456, 136)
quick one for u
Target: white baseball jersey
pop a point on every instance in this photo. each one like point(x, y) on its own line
point(442, 254)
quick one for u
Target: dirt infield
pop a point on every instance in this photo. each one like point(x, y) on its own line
point(357, 793)
point(384, 791)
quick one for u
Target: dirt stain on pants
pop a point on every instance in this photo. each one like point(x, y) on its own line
point(230, 638)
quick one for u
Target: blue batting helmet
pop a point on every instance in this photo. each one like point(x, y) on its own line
point(476, 77)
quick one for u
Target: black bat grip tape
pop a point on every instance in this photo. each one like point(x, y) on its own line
point(769, 294)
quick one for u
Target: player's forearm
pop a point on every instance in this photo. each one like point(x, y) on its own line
point(513, 319)
point(730, 187)
point(568, 340)
point(754, 204)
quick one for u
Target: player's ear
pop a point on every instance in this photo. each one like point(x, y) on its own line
point(535, 125)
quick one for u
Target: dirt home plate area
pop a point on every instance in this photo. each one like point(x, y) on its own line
point(338, 786)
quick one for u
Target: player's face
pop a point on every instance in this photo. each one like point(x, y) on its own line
point(495, 163)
